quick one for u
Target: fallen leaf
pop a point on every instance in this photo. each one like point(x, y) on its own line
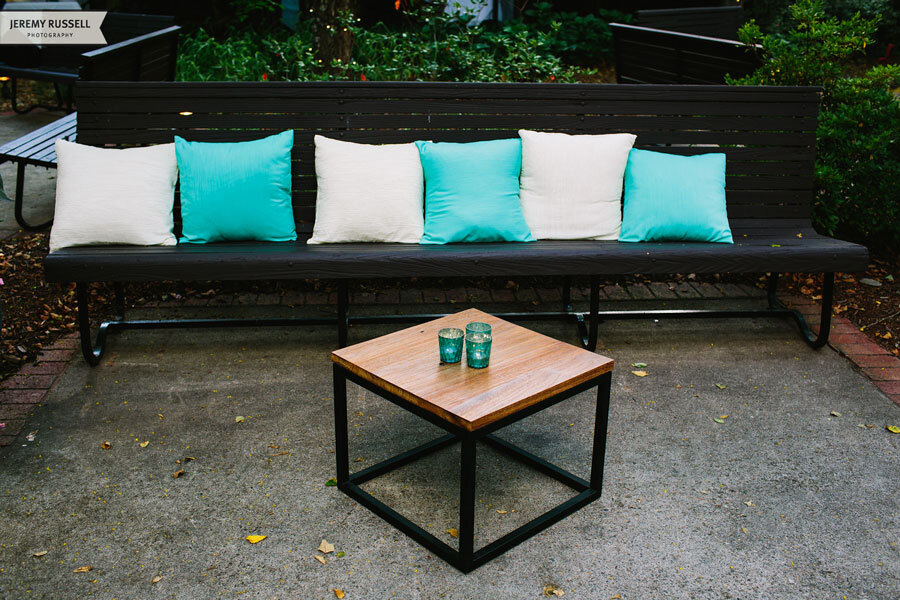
point(160, 415)
point(749, 502)
point(501, 512)
point(640, 373)
point(285, 453)
point(340, 554)
point(338, 593)
point(331, 482)
point(325, 547)
point(453, 532)
point(723, 417)
point(718, 420)
point(745, 530)
point(145, 444)
point(156, 579)
point(30, 436)
point(721, 386)
point(39, 554)
point(105, 445)
point(616, 597)
point(84, 569)
point(775, 245)
point(893, 428)
point(867, 426)
point(800, 235)
point(360, 459)
point(273, 446)
point(255, 539)
point(188, 459)
point(177, 474)
point(552, 590)
point(321, 559)
point(239, 419)
point(638, 365)
point(835, 413)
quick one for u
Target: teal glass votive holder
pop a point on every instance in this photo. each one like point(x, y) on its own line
point(450, 343)
point(478, 349)
point(478, 327)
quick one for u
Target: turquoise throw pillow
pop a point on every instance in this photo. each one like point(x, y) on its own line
point(236, 191)
point(675, 198)
point(472, 192)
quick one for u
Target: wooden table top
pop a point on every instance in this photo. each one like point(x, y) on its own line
point(525, 368)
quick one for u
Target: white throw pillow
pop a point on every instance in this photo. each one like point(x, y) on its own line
point(109, 196)
point(571, 185)
point(368, 193)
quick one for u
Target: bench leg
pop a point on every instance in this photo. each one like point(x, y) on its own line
point(343, 322)
point(20, 200)
point(91, 352)
point(814, 340)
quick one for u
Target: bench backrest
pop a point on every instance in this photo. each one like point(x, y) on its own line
point(768, 133)
point(710, 21)
point(645, 55)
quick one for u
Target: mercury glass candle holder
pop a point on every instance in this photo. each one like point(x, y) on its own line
point(478, 349)
point(450, 343)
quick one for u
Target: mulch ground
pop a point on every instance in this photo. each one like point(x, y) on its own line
point(37, 313)
point(27, 94)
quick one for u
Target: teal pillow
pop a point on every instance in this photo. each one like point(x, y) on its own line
point(472, 192)
point(236, 191)
point(675, 198)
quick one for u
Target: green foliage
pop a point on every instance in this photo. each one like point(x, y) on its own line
point(858, 134)
point(433, 46)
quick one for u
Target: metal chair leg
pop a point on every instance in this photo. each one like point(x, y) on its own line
point(91, 351)
point(814, 340)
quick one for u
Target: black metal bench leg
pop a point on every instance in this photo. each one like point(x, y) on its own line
point(589, 337)
point(343, 300)
point(91, 351)
point(20, 200)
point(814, 340)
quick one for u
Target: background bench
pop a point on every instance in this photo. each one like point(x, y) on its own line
point(768, 134)
point(710, 21)
point(139, 48)
point(646, 55)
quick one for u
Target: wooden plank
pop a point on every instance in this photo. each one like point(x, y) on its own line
point(525, 368)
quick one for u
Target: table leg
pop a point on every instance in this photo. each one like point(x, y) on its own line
point(340, 426)
point(467, 502)
point(601, 422)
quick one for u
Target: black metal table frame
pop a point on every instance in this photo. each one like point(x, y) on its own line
point(467, 558)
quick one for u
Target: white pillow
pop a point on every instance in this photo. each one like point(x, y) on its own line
point(571, 185)
point(109, 196)
point(368, 193)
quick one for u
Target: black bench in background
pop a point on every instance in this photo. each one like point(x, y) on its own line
point(139, 48)
point(768, 134)
point(710, 21)
point(646, 55)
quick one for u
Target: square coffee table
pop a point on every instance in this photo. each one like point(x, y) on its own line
point(528, 372)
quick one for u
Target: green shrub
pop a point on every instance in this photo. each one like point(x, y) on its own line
point(858, 133)
point(433, 46)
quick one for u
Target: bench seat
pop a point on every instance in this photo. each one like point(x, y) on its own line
point(754, 250)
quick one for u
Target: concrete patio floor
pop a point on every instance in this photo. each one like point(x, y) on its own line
point(782, 500)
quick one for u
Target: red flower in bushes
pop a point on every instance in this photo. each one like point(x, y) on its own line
point(362, 77)
point(265, 76)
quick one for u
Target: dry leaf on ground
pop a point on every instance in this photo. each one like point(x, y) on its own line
point(239, 419)
point(835, 413)
point(338, 593)
point(105, 445)
point(145, 444)
point(893, 428)
point(156, 579)
point(640, 373)
point(84, 569)
point(453, 532)
point(255, 539)
point(177, 474)
point(39, 554)
point(325, 547)
point(552, 590)
point(320, 558)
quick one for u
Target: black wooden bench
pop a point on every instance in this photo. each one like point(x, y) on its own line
point(139, 48)
point(768, 134)
point(38, 149)
point(647, 55)
point(710, 21)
